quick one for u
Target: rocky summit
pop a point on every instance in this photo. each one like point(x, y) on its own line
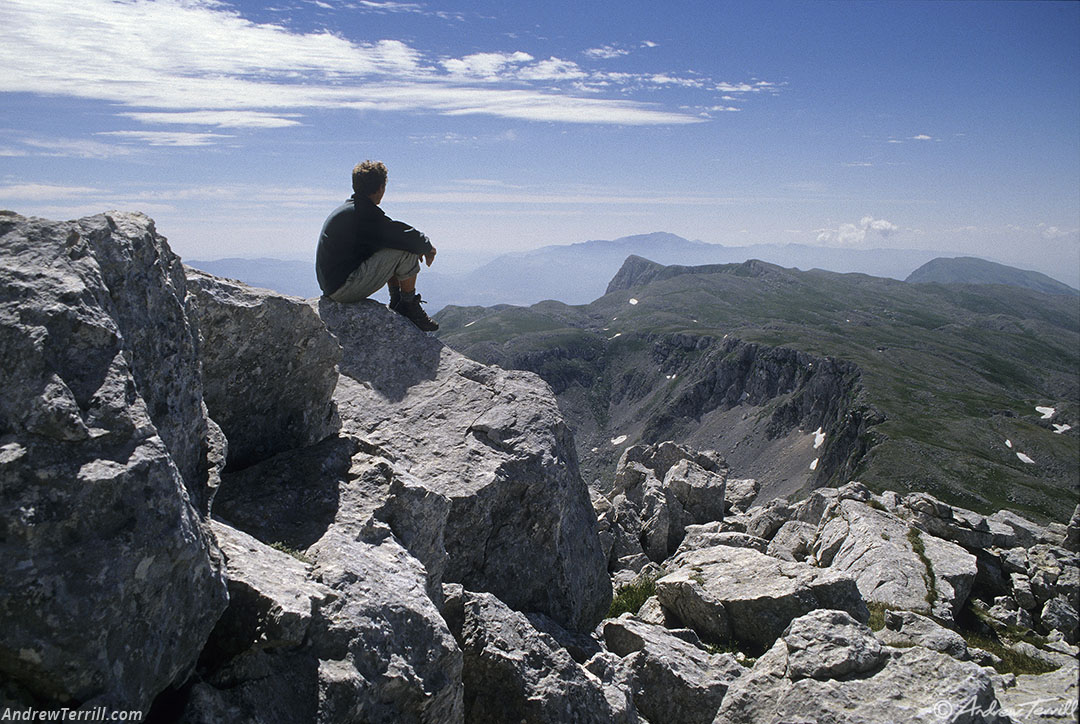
point(221, 504)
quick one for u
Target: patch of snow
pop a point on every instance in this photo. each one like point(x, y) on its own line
point(471, 323)
point(819, 438)
point(1008, 444)
point(1061, 428)
point(618, 440)
point(1047, 412)
point(813, 465)
point(1024, 458)
point(633, 301)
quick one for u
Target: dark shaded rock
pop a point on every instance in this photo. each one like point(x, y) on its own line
point(673, 681)
point(512, 672)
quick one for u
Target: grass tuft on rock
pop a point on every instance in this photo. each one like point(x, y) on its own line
point(631, 597)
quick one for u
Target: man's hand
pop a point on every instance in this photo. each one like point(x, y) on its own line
point(430, 256)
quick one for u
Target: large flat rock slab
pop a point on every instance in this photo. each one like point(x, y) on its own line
point(741, 594)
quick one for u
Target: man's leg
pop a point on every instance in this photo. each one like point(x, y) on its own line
point(373, 274)
point(409, 306)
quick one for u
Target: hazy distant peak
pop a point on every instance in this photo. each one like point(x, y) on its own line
point(635, 270)
point(972, 270)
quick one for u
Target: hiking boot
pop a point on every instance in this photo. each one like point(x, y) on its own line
point(416, 314)
point(395, 298)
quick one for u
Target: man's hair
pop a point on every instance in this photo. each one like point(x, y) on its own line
point(368, 177)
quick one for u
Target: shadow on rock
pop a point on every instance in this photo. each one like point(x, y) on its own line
point(293, 497)
point(383, 350)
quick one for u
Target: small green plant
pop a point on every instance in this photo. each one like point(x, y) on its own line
point(630, 598)
point(877, 505)
point(919, 547)
point(877, 615)
point(284, 548)
point(1011, 661)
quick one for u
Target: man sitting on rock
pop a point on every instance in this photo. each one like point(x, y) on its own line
point(361, 249)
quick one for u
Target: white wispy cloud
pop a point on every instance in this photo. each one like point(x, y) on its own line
point(63, 148)
point(168, 138)
point(484, 65)
point(606, 52)
point(220, 119)
point(855, 234)
point(202, 63)
point(44, 192)
point(1047, 231)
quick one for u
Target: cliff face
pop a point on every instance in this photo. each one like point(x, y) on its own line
point(759, 405)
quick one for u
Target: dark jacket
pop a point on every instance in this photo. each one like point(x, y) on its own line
point(352, 233)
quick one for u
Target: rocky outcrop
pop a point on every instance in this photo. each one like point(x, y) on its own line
point(659, 491)
point(829, 668)
point(492, 443)
point(350, 634)
point(892, 562)
point(404, 536)
point(111, 582)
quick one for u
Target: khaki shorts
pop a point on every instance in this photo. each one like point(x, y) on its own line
point(373, 274)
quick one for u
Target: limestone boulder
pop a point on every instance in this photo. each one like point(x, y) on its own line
point(269, 368)
point(828, 668)
point(763, 521)
point(349, 633)
point(892, 562)
point(492, 442)
point(905, 628)
point(673, 681)
point(700, 491)
point(271, 597)
point(712, 534)
point(792, 541)
point(1042, 698)
point(660, 490)
point(740, 494)
point(737, 593)
point(111, 581)
point(1012, 530)
point(963, 527)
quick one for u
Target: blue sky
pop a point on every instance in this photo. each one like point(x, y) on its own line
point(507, 126)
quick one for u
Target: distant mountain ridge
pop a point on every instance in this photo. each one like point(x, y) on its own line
point(808, 378)
point(579, 273)
point(972, 270)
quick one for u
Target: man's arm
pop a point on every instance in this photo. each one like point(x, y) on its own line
point(399, 235)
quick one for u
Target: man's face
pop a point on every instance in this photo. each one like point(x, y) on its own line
point(376, 198)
